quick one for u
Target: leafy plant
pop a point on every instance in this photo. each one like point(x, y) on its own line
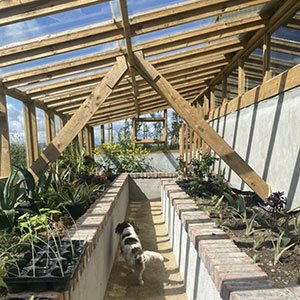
point(202, 167)
point(257, 244)
point(120, 158)
point(10, 196)
point(278, 249)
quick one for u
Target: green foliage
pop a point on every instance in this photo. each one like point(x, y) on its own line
point(10, 196)
point(202, 167)
point(17, 153)
point(280, 246)
point(122, 158)
point(173, 132)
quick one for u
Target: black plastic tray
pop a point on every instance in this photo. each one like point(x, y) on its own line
point(47, 271)
point(26, 298)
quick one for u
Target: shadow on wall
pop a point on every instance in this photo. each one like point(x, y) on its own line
point(294, 181)
point(265, 133)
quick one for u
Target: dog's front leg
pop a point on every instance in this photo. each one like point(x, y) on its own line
point(140, 268)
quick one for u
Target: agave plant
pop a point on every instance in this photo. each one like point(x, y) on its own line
point(10, 196)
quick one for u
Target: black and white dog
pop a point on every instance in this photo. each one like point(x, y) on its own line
point(131, 249)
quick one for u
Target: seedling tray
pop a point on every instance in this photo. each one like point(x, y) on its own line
point(27, 298)
point(50, 269)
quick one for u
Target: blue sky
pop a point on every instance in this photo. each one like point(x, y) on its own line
point(66, 21)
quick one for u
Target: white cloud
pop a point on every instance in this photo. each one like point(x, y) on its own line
point(19, 32)
point(15, 124)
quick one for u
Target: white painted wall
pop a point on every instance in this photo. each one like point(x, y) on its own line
point(93, 280)
point(267, 136)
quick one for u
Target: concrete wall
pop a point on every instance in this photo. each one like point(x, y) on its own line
point(164, 162)
point(267, 136)
point(160, 161)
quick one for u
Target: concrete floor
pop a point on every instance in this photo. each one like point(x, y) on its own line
point(162, 280)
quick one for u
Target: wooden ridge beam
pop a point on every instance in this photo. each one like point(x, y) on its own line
point(82, 116)
point(201, 127)
point(12, 11)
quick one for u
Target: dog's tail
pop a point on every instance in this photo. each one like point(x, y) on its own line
point(151, 255)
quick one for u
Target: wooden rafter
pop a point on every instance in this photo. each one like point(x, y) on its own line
point(12, 11)
point(95, 35)
point(201, 127)
point(127, 34)
point(82, 116)
point(90, 62)
point(281, 15)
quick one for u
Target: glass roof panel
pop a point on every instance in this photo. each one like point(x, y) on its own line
point(55, 23)
point(135, 6)
point(59, 57)
point(172, 30)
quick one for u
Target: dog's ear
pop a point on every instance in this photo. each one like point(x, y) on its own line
point(120, 227)
point(135, 227)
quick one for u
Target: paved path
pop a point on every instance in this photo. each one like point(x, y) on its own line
point(162, 280)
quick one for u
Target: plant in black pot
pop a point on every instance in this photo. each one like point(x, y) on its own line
point(51, 261)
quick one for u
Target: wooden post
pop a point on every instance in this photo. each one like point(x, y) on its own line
point(181, 146)
point(86, 143)
point(165, 129)
point(186, 134)
point(206, 106)
point(5, 168)
point(92, 137)
point(241, 77)
point(81, 139)
point(102, 134)
point(82, 116)
point(133, 133)
point(32, 150)
point(224, 90)
point(267, 57)
point(209, 135)
point(62, 122)
point(49, 126)
point(212, 98)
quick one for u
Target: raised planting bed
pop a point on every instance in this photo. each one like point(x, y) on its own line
point(211, 265)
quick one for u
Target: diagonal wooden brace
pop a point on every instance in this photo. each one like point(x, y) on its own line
point(81, 117)
point(200, 126)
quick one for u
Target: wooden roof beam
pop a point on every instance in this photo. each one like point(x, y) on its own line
point(81, 117)
point(201, 127)
point(92, 35)
point(12, 11)
point(281, 15)
point(91, 62)
point(127, 34)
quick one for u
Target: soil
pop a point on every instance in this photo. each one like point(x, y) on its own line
point(258, 245)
